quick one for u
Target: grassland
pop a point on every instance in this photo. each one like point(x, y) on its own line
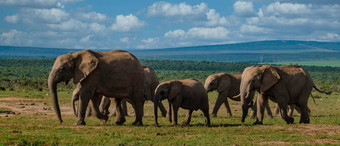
point(34, 123)
point(27, 116)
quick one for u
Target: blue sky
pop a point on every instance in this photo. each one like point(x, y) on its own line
point(149, 24)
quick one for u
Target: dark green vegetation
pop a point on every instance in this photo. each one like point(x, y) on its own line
point(33, 122)
point(32, 74)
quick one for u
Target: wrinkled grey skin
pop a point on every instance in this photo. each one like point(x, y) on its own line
point(94, 72)
point(285, 85)
point(188, 94)
point(150, 84)
point(227, 85)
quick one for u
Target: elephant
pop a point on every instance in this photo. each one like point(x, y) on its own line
point(227, 85)
point(150, 84)
point(114, 73)
point(188, 94)
point(290, 110)
point(285, 85)
point(103, 108)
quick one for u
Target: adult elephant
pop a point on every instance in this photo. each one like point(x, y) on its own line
point(116, 74)
point(150, 84)
point(285, 85)
point(227, 85)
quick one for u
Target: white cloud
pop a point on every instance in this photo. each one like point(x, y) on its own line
point(127, 23)
point(197, 14)
point(244, 9)
point(214, 19)
point(204, 33)
point(44, 15)
point(208, 33)
point(175, 34)
point(172, 10)
point(124, 40)
point(97, 28)
point(12, 19)
point(85, 39)
point(92, 16)
point(70, 25)
point(37, 3)
point(253, 29)
point(14, 37)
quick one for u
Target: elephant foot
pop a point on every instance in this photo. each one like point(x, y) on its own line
point(271, 116)
point(290, 120)
point(169, 118)
point(104, 120)
point(257, 123)
point(80, 123)
point(186, 123)
point(137, 123)
point(121, 121)
point(214, 115)
point(304, 121)
point(174, 124)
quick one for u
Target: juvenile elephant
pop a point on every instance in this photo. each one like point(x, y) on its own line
point(187, 94)
point(116, 74)
point(285, 85)
point(227, 85)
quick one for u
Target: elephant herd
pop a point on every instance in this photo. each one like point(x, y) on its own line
point(118, 77)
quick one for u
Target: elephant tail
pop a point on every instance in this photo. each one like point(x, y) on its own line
point(328, 93)
point(236, 98)
point(312, 97)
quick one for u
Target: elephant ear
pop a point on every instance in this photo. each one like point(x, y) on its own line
point(224, 83)
point(174, 89)
point(269, 78)
point(86, 62)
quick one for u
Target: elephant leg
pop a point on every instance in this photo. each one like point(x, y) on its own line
point(83, 103)
point(269, 112)
point(105, 105)
point(88, 111)
point(95, 102)
point(174, 115)
point(302, 104)
point(219, 101)
point(114, 104)
point(276, 110)
point(138, 105)
point(261, 101)
point(283, 103)
point(162, 108)
point(205, 111)
point(120, 118)
point(253, 112)
point(169, 114)
point(291, 110)
point(187, 118)
point(124, 107)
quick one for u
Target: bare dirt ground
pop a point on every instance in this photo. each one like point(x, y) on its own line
point(12, 106)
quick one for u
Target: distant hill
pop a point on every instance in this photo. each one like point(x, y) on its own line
point(260, 51)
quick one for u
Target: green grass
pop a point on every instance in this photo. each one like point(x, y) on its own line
point(335, 63)
point(36, 129)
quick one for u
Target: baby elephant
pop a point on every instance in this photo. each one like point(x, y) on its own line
point(188, 94)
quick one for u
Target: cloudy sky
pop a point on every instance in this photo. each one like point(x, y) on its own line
point(149, 24)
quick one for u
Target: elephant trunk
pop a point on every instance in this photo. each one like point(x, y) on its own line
point(74, 99)
point(156, 102)
point(52, 85)
point(244, 102)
